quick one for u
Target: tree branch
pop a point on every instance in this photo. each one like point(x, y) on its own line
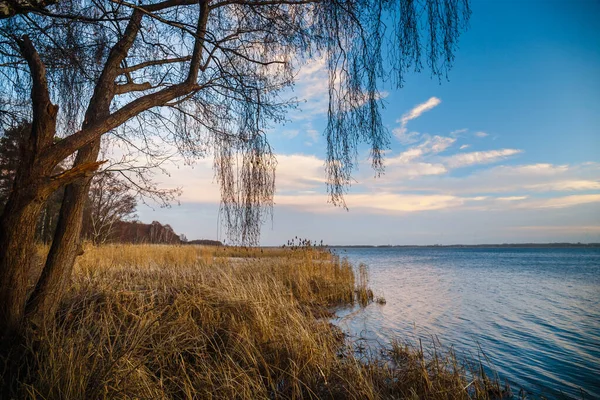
point(154, 62)
point(10, 8)
point(44, 112)
point(72, 174)
point(132, 87)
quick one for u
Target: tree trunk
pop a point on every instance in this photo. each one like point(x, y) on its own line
point(17, 240)
point(67, 238)
point(31, 188)
point(66, 245)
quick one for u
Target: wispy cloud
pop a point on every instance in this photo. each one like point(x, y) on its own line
point(382, 202)
point(415, 112)
point(434, 145)
point(464, 146)
point(299, 172)
point(481, 134)
point(458, 132)
point(479, 157)
point(311, 89)
point(420, 109)
point(517, 180)
point(290, 133)
point(565, 201)
point(313, 134)
point(512, 198)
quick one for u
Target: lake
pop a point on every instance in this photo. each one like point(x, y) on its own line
point(535, 312)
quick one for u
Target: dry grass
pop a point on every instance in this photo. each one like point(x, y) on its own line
point(184, 322)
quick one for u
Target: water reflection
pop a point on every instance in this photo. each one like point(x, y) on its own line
point(535, 312)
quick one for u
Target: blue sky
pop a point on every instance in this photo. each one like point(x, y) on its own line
point(507, 150)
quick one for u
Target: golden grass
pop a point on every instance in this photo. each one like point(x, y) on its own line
point(187, 322)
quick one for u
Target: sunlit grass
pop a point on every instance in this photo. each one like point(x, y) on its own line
point(183, 322)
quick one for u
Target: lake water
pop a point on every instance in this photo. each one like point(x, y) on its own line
point(535, 312)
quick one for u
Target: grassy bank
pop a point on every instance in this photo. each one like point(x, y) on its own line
point(183, 322)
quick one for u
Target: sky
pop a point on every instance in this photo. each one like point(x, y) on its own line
point(507, 150)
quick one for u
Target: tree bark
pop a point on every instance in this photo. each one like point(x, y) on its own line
point(17, 239)
point(66, 245)
point(31, 188)
point(34, 183)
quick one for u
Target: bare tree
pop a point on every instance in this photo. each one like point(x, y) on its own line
point(109, 202)
point(200, 74)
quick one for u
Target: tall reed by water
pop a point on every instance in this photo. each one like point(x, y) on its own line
point(187, 322)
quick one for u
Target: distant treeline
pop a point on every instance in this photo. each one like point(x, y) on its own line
point(155, 233)
point(205, 242)
point(469, 246)
point(138, 232)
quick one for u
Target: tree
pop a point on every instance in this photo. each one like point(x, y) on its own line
point(10, 156)
point(10, 153)
point(200, 74)
point(109, 202)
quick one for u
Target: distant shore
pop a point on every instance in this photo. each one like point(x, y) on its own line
point(469, 246)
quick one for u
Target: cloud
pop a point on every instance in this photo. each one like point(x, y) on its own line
point(464, 146)
point(413, 183)
point(512, 198)
point(404, 137)
point(411, 170)
point(420, 109)
point(481, 134)
point(479, 157)
point(312, 90)
point(517, 180)
point(565, 201)
point(297, 172)
point(564, 186)
point(313, 134)
point(312, 83)
point(415, 112)
point(434, 145)
point(379, 202)
point(290, 133)
point(458, 132)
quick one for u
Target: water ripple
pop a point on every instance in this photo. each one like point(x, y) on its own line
point(535, 312)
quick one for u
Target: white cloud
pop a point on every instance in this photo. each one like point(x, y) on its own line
point(404, 137)
point(458, 132)
point(479, 157)
point(518, 180)
point(420, 109)
point(412, 114)
point(313, 134)
point(434, 145)
point(411, 170)
point(565, 201)
point(377, 202)
point(512, 198)
point(481, 134)
point(290, 133)
point(311, 89)
point(464, 146)
point(295, 173)
point(299, 172)
point(564, 186)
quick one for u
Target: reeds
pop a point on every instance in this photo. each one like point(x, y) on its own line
point(187, 322)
